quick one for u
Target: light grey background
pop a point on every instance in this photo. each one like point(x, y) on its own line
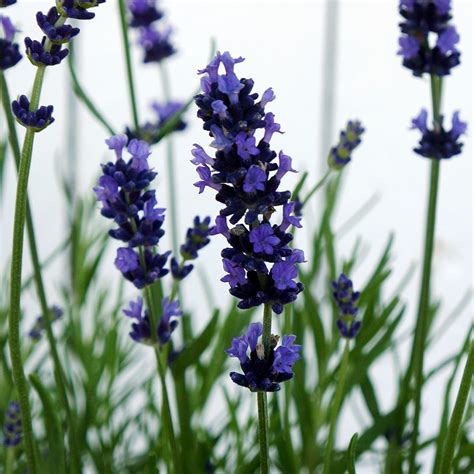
point(283, 46)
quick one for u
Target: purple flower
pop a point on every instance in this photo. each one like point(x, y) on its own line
point(286, 355)
point(12, 428)
point(117, 143)
point(439, 143)
point(263, 239)
point(36, 120)
point(349, 140)
point(246, 146)
point(263, 372)
point(40, 55)
point(39, 326)
point(127, 260)
point(409, 47)
point(419, 122)
point(144, 12)
point(156, 44)
point(284, 167)
point(56, 34)
point(283, 274)
point(246, 178)
point(235, 274)
point(255, 179)
point(346, 299)
point(9, 51)
point(447, 40)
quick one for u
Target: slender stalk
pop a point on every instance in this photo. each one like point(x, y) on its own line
point(170, 164)
point(262, 396)
point(9, 460)
point(335, 408)
point(455, 422)
point(128, 63)
point(316, 187)
point(19, 377)
point(421, 329)
point(39, 284)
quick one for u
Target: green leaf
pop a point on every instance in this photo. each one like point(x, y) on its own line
point(193, 351)
point(54, 431)
point(351, 454)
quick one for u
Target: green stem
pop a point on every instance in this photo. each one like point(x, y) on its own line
point(38, 279)
point(455, 423)
point(15, 280)
point(262, 396)
point(316, 187)
point(421, 329)
point(9, 460)
point(128, 63)
point(172, 187)
point(335, 408)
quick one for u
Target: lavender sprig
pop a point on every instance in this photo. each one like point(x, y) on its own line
point(9, 51)
point(12, 428)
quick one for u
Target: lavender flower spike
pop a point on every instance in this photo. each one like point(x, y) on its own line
point(12, 429)
point(346, 299)
point(349, 140)
point(261, 266)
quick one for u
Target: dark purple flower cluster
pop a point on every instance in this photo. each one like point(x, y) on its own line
point(260, 372)
point(77, 9)
point(122, 191)
point(151, 132)
point(423, 18)
point(9, 51)
point(246, 178)
point(38, 328)
point(349, 139)
point(6, 3)
point(346, 300)
point(439, 143)
point(12, 429)
point(56, 33)
point(155, 42)
point(36, 120)
point(197, 237)
point(141, 329)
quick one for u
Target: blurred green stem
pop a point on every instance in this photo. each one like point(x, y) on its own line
point(336, 405)
point(128, 63)
point(421, 329)
point(455, 423)
point(316, 187)
point(262, 396)
point(172, 187)
point(39, 284)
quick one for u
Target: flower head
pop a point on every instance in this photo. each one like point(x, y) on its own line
point(346, 299)
point(144, 12)
point(77, 9)
point(439, 143)
point(141, 329)
point(9, 51)
point(12, 428)
point(39, 55)
point(56, 34)
point(349, 140)
point(37, 330)
point(423, 19)
point(263, 372)
point(36, 120)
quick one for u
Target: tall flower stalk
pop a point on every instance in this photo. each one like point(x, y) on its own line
point(422, 20)
point(42, 54)
point(260, 264)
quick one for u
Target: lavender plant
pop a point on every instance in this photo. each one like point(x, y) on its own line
point(89, 398)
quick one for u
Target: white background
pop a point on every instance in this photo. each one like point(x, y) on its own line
point(283, 45)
